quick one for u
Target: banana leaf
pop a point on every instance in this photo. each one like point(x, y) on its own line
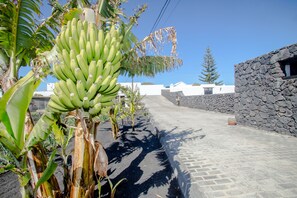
point(48, 172)
point(13, 108)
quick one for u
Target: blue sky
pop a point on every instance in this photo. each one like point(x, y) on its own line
point(235, 30)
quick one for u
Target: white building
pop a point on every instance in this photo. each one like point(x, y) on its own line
point(144, 89)
point(148, 90)
point(188, 90)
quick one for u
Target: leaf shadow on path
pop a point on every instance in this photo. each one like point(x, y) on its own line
point(173, 140)
point(139, 157)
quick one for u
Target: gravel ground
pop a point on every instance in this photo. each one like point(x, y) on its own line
point(9, 186)
point(136, 155)
point(139, 157)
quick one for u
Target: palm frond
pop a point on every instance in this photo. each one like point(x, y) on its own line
point(6, 18)
point(105, 9)
point(156, 40)
point(44, 33)
point(25, 11)
point(139, 61)
point(150, 65)
point(79, 3)
point(16, 29)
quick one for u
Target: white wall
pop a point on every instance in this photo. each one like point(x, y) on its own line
point(135, 84)
point(224, 89)
point(44, 93)
point(189, 90)
point(145, 89)
point(151, 89)
point(193, 90)
point(50, 86)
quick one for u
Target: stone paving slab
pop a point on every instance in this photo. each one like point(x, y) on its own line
point(213, 159)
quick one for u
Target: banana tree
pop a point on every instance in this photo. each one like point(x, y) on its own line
point(92, 94)
point(132, 103)
point(136, 60)
point(138, 63)
point(89, 57)
point(14, 105)
point(23, 38)
point(91, 48)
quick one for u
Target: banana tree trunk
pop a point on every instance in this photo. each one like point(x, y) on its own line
point(114, 123)
point(37, 160)
point(83, 182)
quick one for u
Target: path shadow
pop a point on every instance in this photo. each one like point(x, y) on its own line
point(139, 157)
point(172, 142)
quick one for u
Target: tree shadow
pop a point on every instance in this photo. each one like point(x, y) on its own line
point(139, 157)
point(172, 142)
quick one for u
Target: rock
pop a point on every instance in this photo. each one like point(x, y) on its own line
point(266, 99)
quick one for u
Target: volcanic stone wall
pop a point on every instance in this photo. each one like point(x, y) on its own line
point(223, 103)
point(264, 97)
point(38, 103)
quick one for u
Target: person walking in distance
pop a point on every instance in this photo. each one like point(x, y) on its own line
point(177, 100)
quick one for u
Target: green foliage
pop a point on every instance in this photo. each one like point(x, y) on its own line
point(209, 74)
point(13, 109)
point(114, 187)
point(73, 13)
point(149, 65)
point(21, 36)
point(48, 172)
point(23, 39)
point(17, 19)
point(105, 9)
point(41, 129)
point(132, 103)
point(6, 159)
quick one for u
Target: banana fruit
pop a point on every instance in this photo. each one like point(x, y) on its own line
point(89, 64)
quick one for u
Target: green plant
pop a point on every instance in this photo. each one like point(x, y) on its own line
point(90, 60)
point(113, 114)
point(19, 37)
point(13, 109)
point(111, 185)
point(89, 66)
point(132, 103)
point(114, 187)
point(23, 39)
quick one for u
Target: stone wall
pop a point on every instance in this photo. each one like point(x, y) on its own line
point(223, 103)
point(264, 97)
point(38, 103)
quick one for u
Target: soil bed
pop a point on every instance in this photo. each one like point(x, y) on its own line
point(139, 157)
point(136, 155)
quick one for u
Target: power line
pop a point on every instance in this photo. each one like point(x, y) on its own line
point(172, 11)
point(160, 15)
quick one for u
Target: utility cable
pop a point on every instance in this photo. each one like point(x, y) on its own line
point(160, 15)
point(172, 11)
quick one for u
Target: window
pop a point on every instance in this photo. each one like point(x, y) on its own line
point(289, 67)
point(207, 90)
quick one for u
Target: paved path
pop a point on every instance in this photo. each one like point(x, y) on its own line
point(213, 159)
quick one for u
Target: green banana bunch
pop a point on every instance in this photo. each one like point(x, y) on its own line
point(88, 68)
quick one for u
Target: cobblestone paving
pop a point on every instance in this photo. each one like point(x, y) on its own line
point(213, 159)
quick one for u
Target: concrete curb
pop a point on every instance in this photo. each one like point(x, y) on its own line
point(183, 176)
